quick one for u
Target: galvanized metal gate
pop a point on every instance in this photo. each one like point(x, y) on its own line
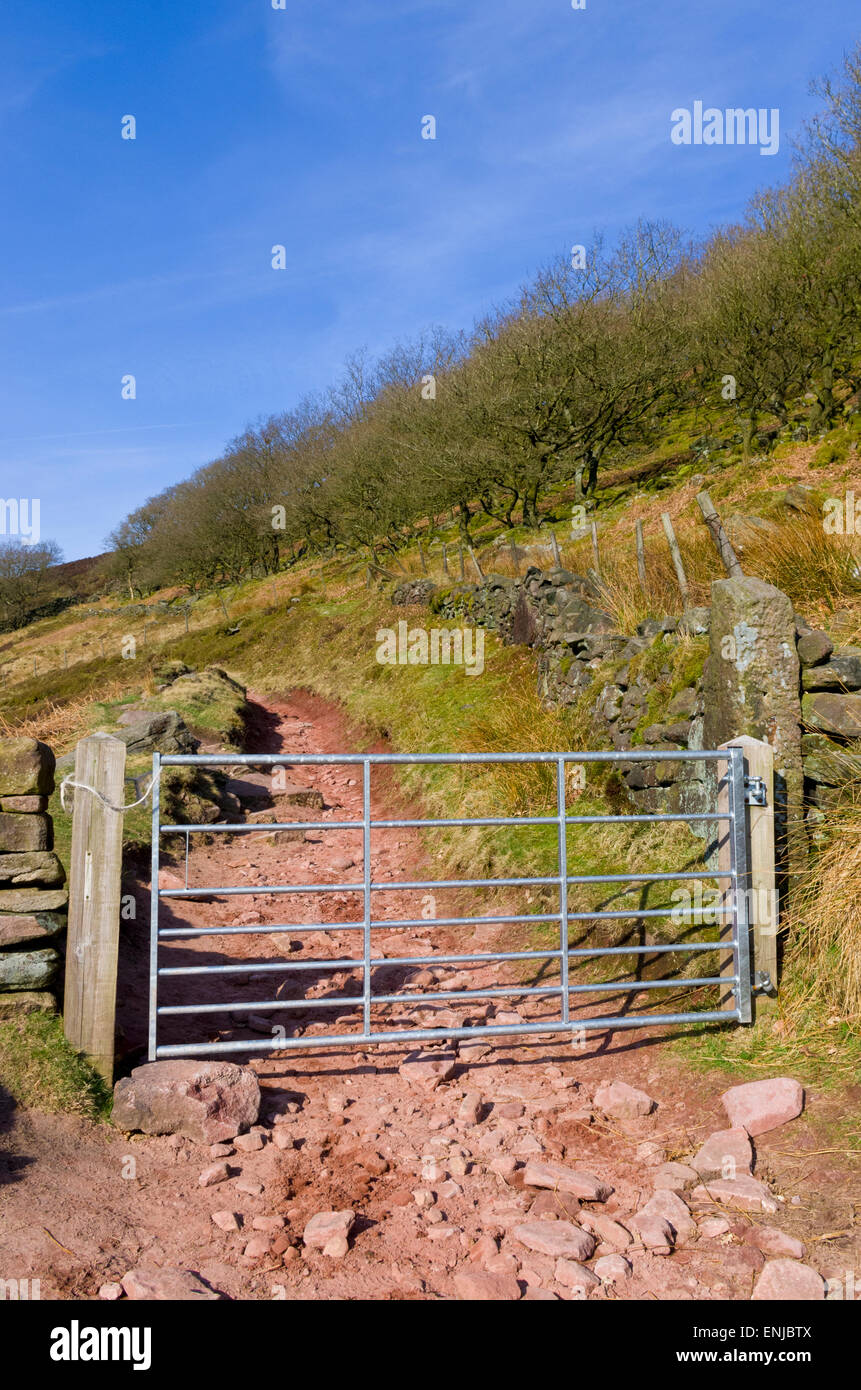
point(733, 948)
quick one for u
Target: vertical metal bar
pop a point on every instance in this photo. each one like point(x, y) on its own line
point(186, 857)
point(366, 864)
point(740, 918)
point(563, 885)
point(153, 910)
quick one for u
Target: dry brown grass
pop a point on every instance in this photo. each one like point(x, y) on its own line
point(800, 558)
point(62, 724)
point(825, 922)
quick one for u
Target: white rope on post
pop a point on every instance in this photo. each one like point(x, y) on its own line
point(85, 787)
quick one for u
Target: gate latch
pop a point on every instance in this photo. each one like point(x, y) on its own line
point(763, 983)
point(754, 791)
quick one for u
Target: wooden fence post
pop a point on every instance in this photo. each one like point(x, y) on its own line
point(444, 558)
point(724, 549)
point(479, 571)
point(761, 883)
point(641, 555)
point(514, 560)
point(94, 902)
point(596, 558)
point(677, 556)
point(460, 556)
point(557, 558)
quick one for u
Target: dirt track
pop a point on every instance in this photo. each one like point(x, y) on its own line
point(434, 1174)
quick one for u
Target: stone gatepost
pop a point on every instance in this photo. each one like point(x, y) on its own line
point(752, 686)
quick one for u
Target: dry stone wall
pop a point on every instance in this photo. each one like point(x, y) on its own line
point(767, 674)
point(33, 896)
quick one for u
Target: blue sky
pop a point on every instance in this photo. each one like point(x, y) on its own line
point(302, 126)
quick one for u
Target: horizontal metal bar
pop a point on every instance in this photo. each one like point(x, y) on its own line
point(267, 827)
point(260, 929)
point(483, 957)
point(246, 1006)
point(406, 1037)
point(436, 759)
point(508, 992)
point(385, 887)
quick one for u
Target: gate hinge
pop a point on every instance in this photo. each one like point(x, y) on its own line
point(763, 983)
point(754, 791)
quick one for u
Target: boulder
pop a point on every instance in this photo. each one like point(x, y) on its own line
point(833, 714)
point(167, 1285)
point(842, 672)
point(559, 1238)
point(612, 1269)
point(727, 1151)
point(742, 1192)
point(759, 1106)
point(22, 834)
point(771, 1241)
point(206, 1101)
point(329, 1231)
point(786, 1281)
point(479, 1286)
point(24, 805)
point(33, 900)
point(623, 1102)
point(814, 647)
point(559, 1178)
point(27, 970)
point(21, 928)
point(163, 731)
point(39, 868)
point(428, 1069)
point(26, 767)
point(23, 1002)
point(669, 1207)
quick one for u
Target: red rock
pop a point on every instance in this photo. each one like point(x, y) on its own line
point(725, 1153)
point(111, 1292)
point(167, 1285)
point(225, 1220)
point(744, 1193)
point(326, 1227)
point(479, 1286)
point(674, 1210)
point(560, 1238)
point(622, 1102)
point(248, 1143)
point(655, 1231)
point(216, 1172)
point(759, 1106)
point(771, 1241)
point(572, 1275)
point(675, 1177)
point(786, 1280)
point(207, 1102)
point(612, 1269)
point(610, 1233)
point(257, 1247)
point(556, 1176)
point(428, 1069)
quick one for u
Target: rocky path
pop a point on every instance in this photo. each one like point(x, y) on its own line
point(496, 1170)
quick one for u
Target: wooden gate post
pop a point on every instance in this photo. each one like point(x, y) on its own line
point(761, 884)
point(94, 902)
